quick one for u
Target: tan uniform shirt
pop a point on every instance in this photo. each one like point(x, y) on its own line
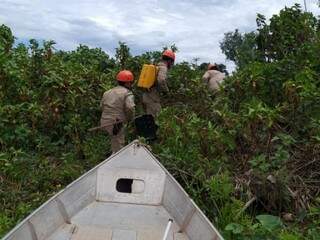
point(117, 104)
point(213, 78)
point(161, 83)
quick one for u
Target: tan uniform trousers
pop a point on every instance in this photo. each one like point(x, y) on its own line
point(117, 141)
point(151, 101)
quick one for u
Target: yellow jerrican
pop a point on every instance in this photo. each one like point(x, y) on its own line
point(148, 76)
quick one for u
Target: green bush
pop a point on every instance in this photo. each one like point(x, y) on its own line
point(246, 154)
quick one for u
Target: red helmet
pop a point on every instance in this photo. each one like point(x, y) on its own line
point(125, 76)
point(170, 54)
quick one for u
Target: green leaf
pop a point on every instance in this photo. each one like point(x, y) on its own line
point(288, 236)
point(270, 222)
point(235, 228)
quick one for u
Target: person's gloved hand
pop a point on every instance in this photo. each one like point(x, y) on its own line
point(117, 128)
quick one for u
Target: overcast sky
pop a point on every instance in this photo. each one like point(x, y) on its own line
point(196, 27)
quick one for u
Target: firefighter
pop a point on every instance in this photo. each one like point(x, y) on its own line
point(118, 108)
point(151, 97)
point(213, 77)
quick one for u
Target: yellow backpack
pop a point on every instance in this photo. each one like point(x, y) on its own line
point(148, 76)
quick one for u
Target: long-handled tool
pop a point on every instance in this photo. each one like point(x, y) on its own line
point(103, 126)
point(144, 124)
point(99, 127)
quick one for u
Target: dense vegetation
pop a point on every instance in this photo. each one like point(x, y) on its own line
point(249, 155)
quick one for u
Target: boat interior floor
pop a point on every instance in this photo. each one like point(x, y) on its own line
point(118, 221)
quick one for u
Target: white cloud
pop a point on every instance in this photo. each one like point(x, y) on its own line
point(196, 27)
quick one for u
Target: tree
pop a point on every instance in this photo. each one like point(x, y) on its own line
point(230, 44)
point(195, 62)
point(286, 33)
point(239, 48)
point(122, 54)
point(6, 39)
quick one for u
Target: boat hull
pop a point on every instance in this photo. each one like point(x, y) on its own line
point(129, 196)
